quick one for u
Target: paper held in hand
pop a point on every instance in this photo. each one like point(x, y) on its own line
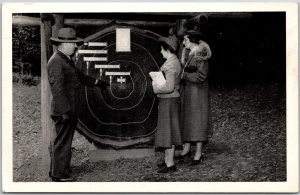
point(158, 77)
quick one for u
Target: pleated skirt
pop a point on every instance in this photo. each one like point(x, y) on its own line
point(168, 123)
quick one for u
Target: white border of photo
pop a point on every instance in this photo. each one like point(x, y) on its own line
point(292, 183)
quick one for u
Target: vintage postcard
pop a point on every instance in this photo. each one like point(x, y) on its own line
point(79, 106)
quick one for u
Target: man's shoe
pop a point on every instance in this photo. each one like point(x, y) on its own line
point(161, 165)
point(167, 169)
point(69, 172)
point(67, 179)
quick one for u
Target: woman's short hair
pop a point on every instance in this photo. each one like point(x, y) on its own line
point(166, 46)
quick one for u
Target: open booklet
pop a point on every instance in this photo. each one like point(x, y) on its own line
point(158, 77)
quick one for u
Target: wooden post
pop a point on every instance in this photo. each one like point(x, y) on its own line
point(47, 124)
point(46, 52)
point(180, 27)
point(180, 32)
point(58, 20)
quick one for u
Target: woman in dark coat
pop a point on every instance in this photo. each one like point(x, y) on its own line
point(195, 96)
point(168, 125)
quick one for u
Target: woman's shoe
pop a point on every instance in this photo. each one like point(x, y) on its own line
point(167, 169)
point(189, 154)
point(161, 165)
point(198, 162)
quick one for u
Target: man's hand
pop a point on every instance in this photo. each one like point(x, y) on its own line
point(67, 116)
point(102, 84)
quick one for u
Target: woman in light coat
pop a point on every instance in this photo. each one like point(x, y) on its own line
point(168, 125)
point(195, 96)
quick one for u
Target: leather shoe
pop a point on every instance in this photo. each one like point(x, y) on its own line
point(161, 165)
point(167, 169)
point(189, 154)
point(67, 179)
point(69, 172)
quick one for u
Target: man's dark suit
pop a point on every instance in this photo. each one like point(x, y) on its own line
point(64, 79)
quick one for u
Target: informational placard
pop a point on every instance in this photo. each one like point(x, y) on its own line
point(92, 59)
point(123, 40)
point(107, 66)
point(81, 51)
point(117, 73)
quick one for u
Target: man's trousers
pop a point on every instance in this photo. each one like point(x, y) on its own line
point(60, 149)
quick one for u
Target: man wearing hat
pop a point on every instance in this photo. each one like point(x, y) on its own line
point(65, 79)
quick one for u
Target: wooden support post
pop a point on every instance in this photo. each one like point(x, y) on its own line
point(58, 24)
point(180, 27)
point(46, 52)
point(180, 32)
point(47, 124)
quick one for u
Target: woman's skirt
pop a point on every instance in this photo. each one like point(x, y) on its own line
point(168, 123)
point(195, 113)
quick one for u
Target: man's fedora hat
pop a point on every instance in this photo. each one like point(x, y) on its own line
point(170, 41)
point(66, 35)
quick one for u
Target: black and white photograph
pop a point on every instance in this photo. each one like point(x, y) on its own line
point(150, 97)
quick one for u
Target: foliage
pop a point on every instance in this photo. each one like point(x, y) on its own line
point(26, 79)
point(26, 46)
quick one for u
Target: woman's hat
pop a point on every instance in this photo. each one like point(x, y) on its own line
point(171, 41)
point(66, 35)
point(193, 32)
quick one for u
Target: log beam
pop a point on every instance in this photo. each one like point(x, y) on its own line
point(34, 21)
point(26, 21)
point(31, 21)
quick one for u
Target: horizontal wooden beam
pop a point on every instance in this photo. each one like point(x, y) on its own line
point(99, 22)
point(26, 21)
point(189, 15)
point(229, 15)
point(89, 22)
point(34, 21)
point(145, 23)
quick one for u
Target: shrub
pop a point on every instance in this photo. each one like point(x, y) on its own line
point(26, 79)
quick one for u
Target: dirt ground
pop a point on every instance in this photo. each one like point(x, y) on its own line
point(248, 141)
